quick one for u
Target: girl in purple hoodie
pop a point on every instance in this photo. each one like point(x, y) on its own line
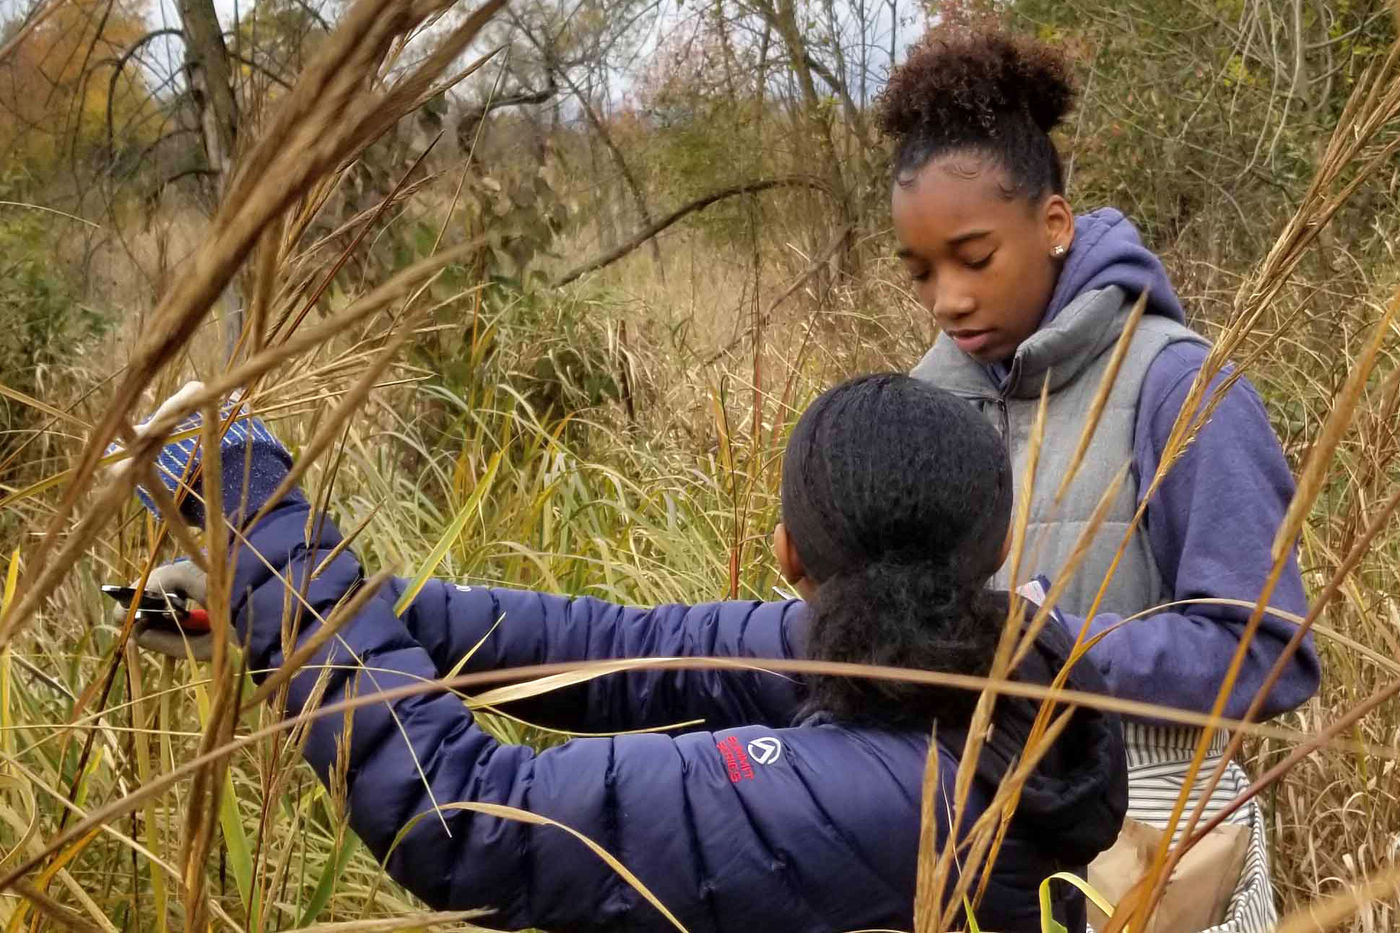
point(1029, 297)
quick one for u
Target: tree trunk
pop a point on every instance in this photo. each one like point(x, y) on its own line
point(211, 89)
point(207, 69)
point(782, 15)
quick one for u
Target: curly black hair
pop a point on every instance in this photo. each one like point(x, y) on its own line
point(897, 496)
point(990, 92)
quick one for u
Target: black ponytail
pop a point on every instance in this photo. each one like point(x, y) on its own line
point(897, 497)
point(914, 615)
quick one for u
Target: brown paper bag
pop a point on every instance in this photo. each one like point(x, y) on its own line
point(1201, 884)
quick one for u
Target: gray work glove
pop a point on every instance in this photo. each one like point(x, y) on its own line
point(181, 578)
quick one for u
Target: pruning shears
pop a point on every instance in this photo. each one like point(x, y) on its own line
point(169, 609)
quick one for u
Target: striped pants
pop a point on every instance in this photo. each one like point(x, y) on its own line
point(1158, 759)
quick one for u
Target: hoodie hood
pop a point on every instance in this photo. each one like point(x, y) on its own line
point(1107, 250)
point(1106, 264)
point(1075, 800)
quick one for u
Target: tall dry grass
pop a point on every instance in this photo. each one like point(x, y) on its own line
point(142, 796)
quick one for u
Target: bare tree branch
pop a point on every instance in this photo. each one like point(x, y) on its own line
point(162, 139)
point(120, 64)
point(315, 14)
point(261, 69)
point(853, 113)
point(596, 121)
point(699, 204)
point(523, 98)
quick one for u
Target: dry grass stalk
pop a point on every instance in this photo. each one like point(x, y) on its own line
point(328, 276)
point(1319, 603)
point(143, 713)
point(983, 836)
point(319, 124)
point(55, 911)
point(327, 630)
point(1012, 629)
point(1327, 913)
point(542, 678)
point(115, 494)
point(1071, 564)
point(1021, 520)
point(1309, 484)
point(1100, 399)
point(207, 786)
point(928, 897)
point(1342, 724)
point(425, 921)
point(1026, 639)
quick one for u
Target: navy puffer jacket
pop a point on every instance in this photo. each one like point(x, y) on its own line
point(751, 823)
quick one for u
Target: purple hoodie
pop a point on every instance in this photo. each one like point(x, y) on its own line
point(1212, 522)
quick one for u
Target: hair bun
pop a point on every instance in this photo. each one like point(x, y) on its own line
point(960, 83)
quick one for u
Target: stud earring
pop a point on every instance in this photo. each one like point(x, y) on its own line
point(1058, 250)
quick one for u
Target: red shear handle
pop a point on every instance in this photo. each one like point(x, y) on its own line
point(196, 620)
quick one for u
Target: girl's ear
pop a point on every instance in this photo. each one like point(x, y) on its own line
point(1059, 224)
point(790, 564)
point(789, 561)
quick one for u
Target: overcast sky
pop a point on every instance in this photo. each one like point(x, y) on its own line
point(161, 57)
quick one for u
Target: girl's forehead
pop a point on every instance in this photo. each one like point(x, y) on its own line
point(952, 196)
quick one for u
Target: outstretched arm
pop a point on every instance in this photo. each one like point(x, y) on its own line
point(496, 628)
point(717, 849)
point(475, 628)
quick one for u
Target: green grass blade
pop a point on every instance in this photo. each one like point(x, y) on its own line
point(972, 926)
point(459, 522)
point(240, 854)
point(325, 886)
point(1048, 923)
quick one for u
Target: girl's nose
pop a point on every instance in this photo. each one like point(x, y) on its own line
point(950, 304)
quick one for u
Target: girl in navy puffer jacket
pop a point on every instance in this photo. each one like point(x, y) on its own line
point(797, 806)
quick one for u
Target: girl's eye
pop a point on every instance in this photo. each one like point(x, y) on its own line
point(920, 275)
point(980, 263)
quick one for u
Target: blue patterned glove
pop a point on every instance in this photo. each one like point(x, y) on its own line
point(265, 468)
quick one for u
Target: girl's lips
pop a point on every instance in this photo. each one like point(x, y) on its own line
point(971, 341)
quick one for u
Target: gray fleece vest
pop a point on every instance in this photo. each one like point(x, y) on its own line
point(1073, 353)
